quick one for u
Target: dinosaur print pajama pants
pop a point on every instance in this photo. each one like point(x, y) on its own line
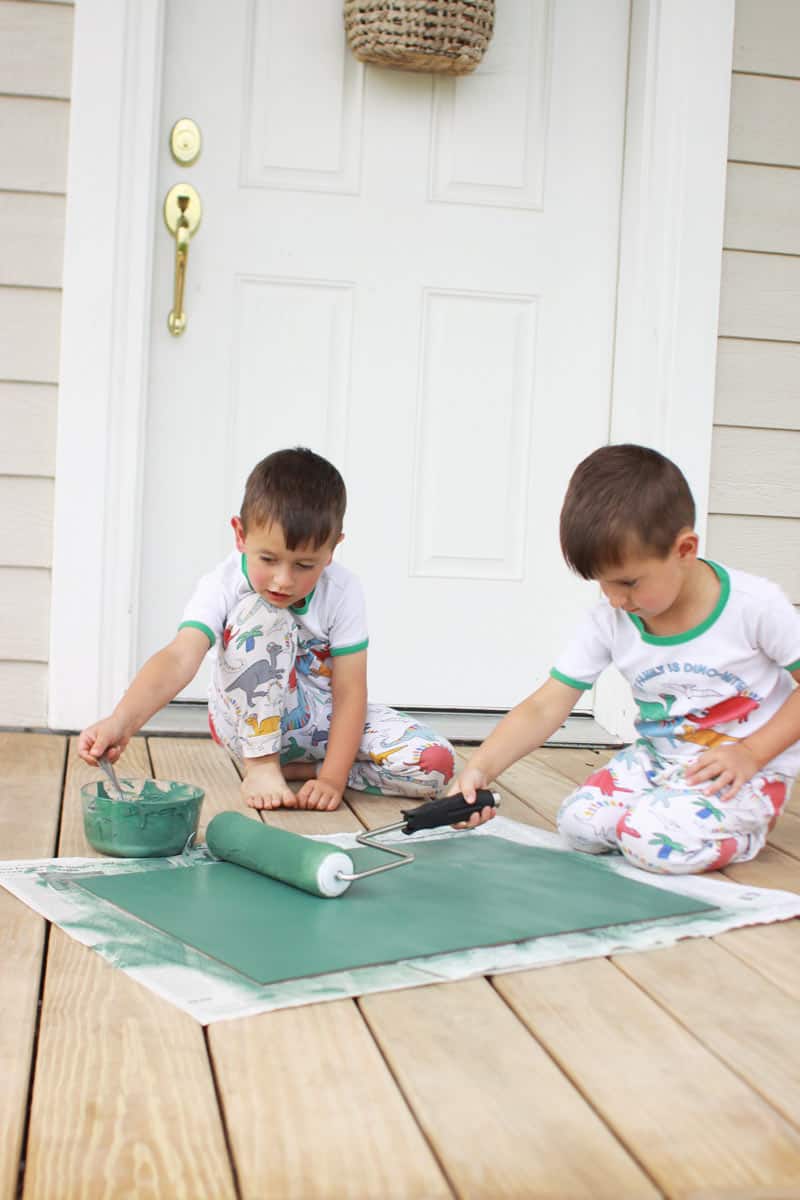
point(640, 804)
point(261, 701)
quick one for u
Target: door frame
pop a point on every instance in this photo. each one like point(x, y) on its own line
point(671, 229)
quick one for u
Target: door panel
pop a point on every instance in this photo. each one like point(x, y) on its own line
point(416, 277)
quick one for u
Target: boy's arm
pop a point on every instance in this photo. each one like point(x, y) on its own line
point(730, 765)
point(349, 694)
point(159, 681)
point(520, 731)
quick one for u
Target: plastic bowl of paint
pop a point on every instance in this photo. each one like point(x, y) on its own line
point(158, 820)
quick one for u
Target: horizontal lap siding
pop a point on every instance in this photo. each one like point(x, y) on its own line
point(754, 517)
point(35, 62)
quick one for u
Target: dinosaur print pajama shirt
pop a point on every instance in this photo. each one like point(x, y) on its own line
point(271, 682)
point(716, 683)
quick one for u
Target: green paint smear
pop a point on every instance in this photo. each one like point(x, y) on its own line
point(459, 893)
point(158, 820)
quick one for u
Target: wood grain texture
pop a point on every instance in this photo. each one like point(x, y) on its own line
point(123, 1101)
point(771, 869)
point(745, 1024)
point(35, 49)
point(313, 1111)
point(32, 237)
point(766, 37)
point(774, 950)
point(768, 546)
point(760, 296)
point(142, 1116)
point(31, 769)
point(761, 206)
point(755, 471)
point(33, 144)
point(30, 324)
point(695, 1126)
point(503, 1120)
point(765, 120)
point(28, 428)
point(758, 384)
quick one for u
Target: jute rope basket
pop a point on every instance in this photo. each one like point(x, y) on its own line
point(448, 36)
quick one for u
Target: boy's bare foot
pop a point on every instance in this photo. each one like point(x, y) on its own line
point(300, 770)
point(265, 787)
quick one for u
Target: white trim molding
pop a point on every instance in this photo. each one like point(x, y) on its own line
point(111, 209)
point(671, 240)
point(673, 207)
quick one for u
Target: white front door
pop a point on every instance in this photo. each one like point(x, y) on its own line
point(414, 276)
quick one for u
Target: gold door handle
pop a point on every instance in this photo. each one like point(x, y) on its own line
point(182, 213)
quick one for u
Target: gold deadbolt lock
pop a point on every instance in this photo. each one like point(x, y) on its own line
point(185, 142)
point(182, 213)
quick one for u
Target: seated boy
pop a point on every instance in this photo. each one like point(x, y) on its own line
point(709, 653)
point(288, 697)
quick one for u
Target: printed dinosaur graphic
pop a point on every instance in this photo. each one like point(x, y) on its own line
point(258, 673)
point(605, 782)
point(735, 708)
point(267, 725)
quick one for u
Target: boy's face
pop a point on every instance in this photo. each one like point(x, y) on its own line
point(280, 575)
point(648, 586)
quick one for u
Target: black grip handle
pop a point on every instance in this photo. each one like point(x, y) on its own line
point(446, 811)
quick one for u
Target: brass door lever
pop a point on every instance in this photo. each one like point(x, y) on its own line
point(182, 213)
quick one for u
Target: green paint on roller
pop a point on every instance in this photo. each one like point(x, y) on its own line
point(311, 866)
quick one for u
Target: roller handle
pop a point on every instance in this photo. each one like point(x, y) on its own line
point(447, 811)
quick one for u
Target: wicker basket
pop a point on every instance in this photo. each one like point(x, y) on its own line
point(447, 36)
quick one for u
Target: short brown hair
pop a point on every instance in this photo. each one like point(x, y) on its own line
point(301, 492)
point(621, 500)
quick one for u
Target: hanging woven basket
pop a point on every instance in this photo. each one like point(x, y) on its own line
point(446, 36)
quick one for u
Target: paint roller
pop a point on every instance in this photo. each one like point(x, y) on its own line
point(322, 868)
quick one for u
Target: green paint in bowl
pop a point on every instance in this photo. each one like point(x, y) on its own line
point(157, 822)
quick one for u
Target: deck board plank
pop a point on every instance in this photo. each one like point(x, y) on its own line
point(690, 1120)
point(314, 1112)
point(503, 1120)
point(746, 1023)
point(31, 767)
point(141, 1116)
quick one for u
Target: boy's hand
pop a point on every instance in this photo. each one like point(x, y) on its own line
point(320, 793)
point(106, 737)
point(470, 779)
point(729, 766)
point(264, 787)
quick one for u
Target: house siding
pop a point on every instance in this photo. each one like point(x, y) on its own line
point(754, 511)
point(754, 508)
point(35, 62)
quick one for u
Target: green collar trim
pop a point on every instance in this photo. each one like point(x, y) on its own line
point(302, 605)
point(244, 571)
point(675, 639)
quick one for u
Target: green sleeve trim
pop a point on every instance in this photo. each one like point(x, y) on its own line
point(795, 666)
point(349, 649)
point(198, 625)
point(573, 683)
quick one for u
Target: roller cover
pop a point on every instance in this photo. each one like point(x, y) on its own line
point(309, 865)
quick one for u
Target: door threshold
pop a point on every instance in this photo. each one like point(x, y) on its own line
point(468, 726)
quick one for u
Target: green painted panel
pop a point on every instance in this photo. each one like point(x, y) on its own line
point(459, 893)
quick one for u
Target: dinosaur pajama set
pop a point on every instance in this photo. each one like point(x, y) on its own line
point(716, 683)
point(271, 681)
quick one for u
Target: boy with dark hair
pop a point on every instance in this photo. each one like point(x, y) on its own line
point(288, 696)
point(709, 653)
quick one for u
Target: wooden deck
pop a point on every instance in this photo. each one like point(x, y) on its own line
point(669, 1073)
